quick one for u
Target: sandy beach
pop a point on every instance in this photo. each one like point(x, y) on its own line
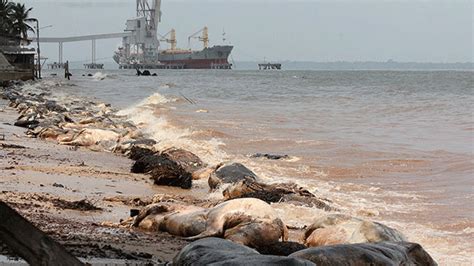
point(79, 197)
point(37, 176)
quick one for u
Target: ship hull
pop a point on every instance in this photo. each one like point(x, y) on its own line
point(198, 64)
point(209, 58)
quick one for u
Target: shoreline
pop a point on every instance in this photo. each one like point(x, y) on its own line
point(34, 176)
point(46, 167)
point(37, 175)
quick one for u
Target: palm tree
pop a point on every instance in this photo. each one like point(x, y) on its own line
point(6, 9)
point(19, 19)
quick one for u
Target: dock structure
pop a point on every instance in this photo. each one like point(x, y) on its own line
point(92, 38)
point(221, 66)
point(267, 66)
point(94, 66)
point(56, 65)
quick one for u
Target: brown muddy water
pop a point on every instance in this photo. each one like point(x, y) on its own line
point(396, 147)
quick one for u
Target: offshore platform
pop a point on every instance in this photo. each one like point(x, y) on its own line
point(141, 48)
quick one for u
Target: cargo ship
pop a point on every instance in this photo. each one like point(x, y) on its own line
point(215, 57)
point(141, 48)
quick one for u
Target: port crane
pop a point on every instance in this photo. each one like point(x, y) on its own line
point(171, 40)
point(151, 11)
point(203, 38)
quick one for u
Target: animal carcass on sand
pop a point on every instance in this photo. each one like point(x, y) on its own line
point(287, 192)
point(230, 173)
point(174, 218)
point(90, 137)
point(250, 222)
point(218, 251)
point(343, 229)
point(163, 170)
point(382, 253)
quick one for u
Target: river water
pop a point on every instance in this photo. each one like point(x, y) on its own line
point(391, 146)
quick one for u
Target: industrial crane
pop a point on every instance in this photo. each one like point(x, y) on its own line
point(171, 40)
point(203, 38)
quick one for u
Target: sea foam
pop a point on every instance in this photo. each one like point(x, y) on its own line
point(168, 135)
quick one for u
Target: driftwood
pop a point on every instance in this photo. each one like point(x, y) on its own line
point(29, 242)
point(11, 146)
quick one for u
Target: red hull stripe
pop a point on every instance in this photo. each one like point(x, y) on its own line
point(197, 63)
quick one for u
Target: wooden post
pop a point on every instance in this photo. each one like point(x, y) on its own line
point(60, 53)
point(29, 242)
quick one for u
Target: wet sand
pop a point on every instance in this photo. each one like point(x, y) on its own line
point(35, 178)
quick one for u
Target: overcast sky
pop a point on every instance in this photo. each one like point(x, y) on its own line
point(357, 30)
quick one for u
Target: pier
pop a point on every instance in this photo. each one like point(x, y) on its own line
point(221, 66)
point(94, 66)
point(267, 66)
point(93, 38)
point(56, 65)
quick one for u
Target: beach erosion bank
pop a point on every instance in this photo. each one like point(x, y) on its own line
point(71, 173)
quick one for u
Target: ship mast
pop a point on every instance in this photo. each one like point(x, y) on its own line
point(171, 40)
point(204, 38)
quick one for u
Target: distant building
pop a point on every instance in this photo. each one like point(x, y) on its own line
point(16, 62)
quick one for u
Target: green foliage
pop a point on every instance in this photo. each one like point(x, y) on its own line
point(5, 13)
point(14, 19)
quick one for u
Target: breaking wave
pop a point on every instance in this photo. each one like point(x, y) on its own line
point(99, 76)
point(370, 201)
point(157, 126)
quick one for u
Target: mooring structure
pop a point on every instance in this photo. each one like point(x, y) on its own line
point(267, 66)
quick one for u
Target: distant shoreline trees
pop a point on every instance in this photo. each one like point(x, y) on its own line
point(14, 19)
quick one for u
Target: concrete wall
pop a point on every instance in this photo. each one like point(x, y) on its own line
point(15, 75)
point(22, 69)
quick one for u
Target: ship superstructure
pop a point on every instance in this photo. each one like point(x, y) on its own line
point(141, 49)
